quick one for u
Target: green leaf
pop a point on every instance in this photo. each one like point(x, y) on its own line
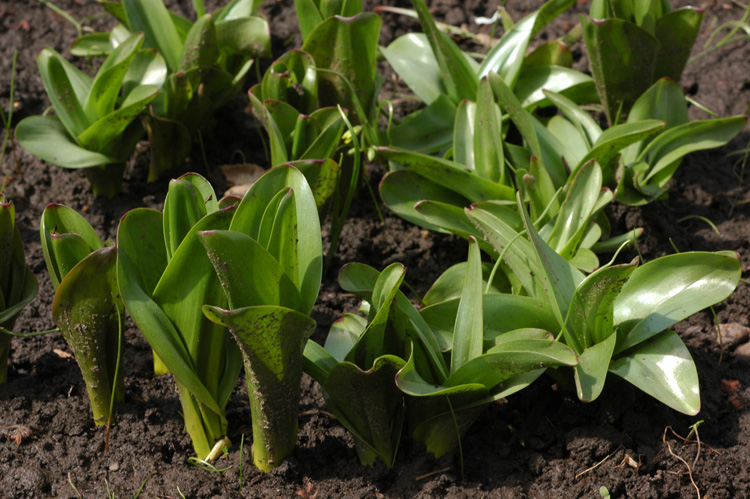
point(67, 98)
point(506, 58)
point(487, 146)
point(591, 371)
point(247, 36)
point(348, 46)
point(667, 149)
point(85, 310)
point(676, 32)
point(663, 368)
point(429, 130)
point(140, 264)
point(468, 331)
point(249, 274)
point(558, 277)
point(667, 290)
point(107, 134)
point(460, 79)
point(448, 174)
point(47, 138)
point(369, 404)
point(412, 58)
point(147, 68)
point(620, 79)
point(402, 190)
point(59, 219)
point(533, 82)
point(512, 357)
point(201, 47)
point(153, 18)
point(272, 340)
point(306, 269)
point(343, 336)
point(106, 86)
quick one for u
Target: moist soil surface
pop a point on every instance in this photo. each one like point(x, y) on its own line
point(542, 442)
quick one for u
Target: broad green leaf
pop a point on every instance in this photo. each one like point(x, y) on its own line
point(92, 45)
point(141, 261)
point(622, 79)
point(401, 190)
point(506, 58)
point(591, 371)
point(348, 46)
point(248, 273)
point(59, 219)
point(558, 278)
point(663, 368)
point(616, 140)
point(664, 291)
point(308, 268)
point(183, 207)
point(47, 138)
point(104, 133)
point(322, 175)
point(413, 60)
point(153, 18)
point(449, 217)
point(667, 149)
point(468, 331)
point(448, 174)
point(147, 68)
point(308, 16)
point(248, 36)
point(463, 134)
point(84, 309)
point(62, 92)
point(487, 145)
point(105, 88)
point(502, 313)
point(272, 340)
point(533, 82)
point(510, 358)
point(459, 77)
point(377, 338)
point(201, 47)
point(517, 252)
point(343, 336)
point(576, 211)
point(676, 32)
point(584, 123)
point(429, 130)
point(541, 143)
point(189, 282)
point(369, 404)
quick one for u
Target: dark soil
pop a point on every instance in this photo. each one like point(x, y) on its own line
point(540, 443)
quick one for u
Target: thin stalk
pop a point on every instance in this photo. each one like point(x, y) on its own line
point(54, 8)
point(199, 8)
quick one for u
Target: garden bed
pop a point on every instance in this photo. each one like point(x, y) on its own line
point(540, 443)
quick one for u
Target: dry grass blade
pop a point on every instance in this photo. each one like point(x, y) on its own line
point(671, 452)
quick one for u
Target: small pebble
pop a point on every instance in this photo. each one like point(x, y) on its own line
point(734, 334)
point(114, 467)
point(743, 352)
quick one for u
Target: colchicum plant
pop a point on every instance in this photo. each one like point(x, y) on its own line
point(441, 398)
point(442, 76)
point(269, 263)
point(633, 43)
point(96, 126)
point(206, 63)
point(18, 286)
point(254, 267)
point(617, 318)
point(165, 277)
point(87, 306)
